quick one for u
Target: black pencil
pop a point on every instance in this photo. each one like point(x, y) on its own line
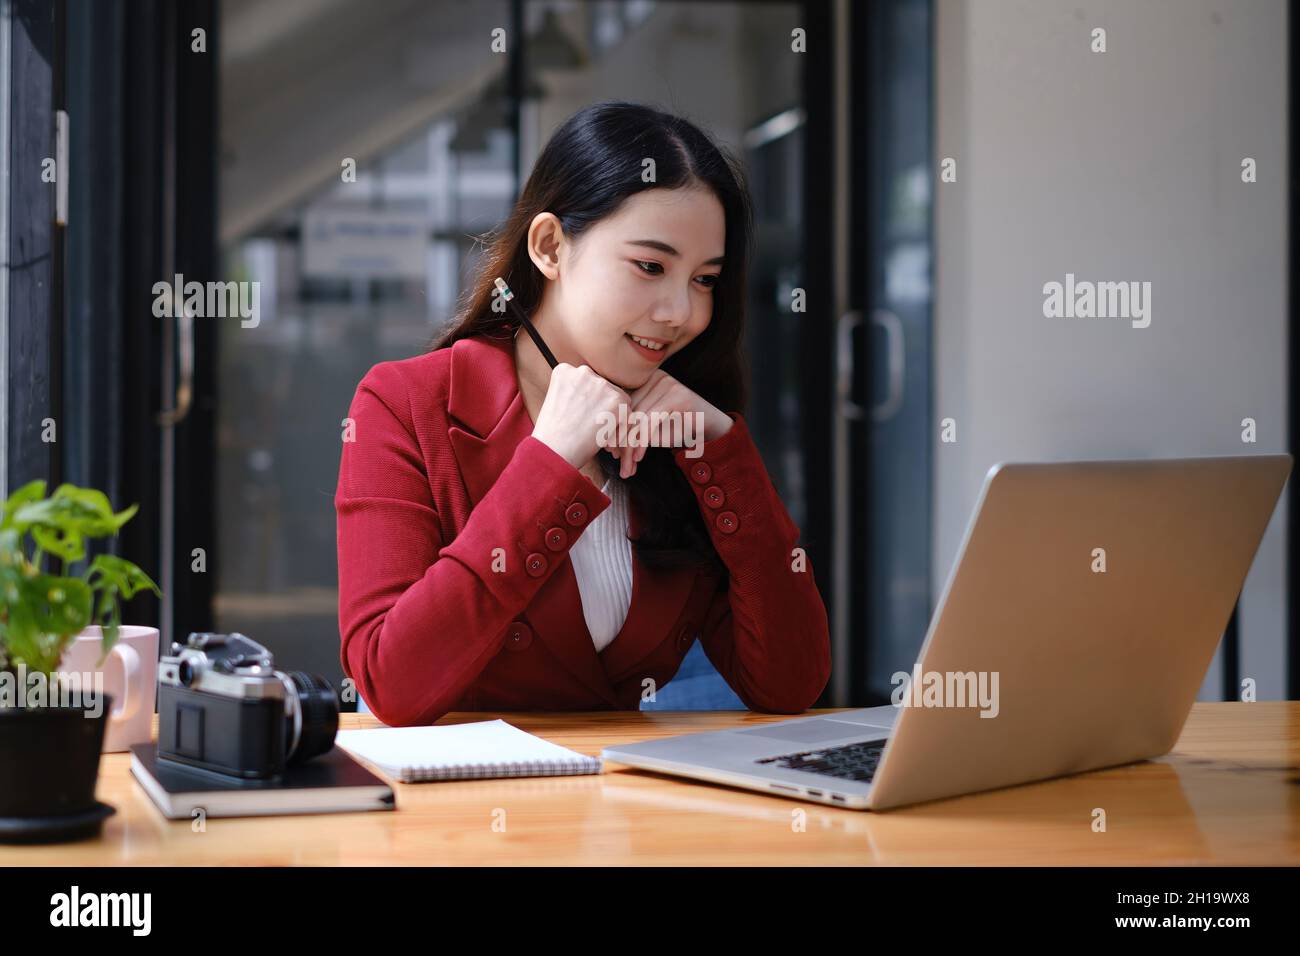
point(536, 336)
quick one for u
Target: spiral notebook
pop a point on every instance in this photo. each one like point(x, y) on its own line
point(486, 748)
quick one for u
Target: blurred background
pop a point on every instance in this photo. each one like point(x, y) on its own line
point(215, 140)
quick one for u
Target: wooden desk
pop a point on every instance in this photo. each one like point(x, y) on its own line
point(1229, 793)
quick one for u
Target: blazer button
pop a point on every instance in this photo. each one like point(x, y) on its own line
point(535, 564)
point(576, 513)
point(685, 638)
point(727, 522)
point(556, 539)
point(701, 472)
point(519, 636)
point(714, 496)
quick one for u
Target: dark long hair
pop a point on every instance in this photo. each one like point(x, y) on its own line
point(591, 164)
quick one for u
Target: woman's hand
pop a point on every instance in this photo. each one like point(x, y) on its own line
point(700, 420)
point(577, 402)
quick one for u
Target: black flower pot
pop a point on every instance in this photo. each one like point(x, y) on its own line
point(49, 761)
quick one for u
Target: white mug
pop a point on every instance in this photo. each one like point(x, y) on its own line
point(130, 677)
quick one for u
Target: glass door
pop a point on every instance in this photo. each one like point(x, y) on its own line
point(884, 408)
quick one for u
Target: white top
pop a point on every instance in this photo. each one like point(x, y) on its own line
point(602, 563)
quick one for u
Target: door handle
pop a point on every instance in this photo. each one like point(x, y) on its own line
point(895, 364)
point(185, 382)
point(848, 323)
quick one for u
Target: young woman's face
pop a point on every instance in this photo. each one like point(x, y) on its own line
point(646, 272)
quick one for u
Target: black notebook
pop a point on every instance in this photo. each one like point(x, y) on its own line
point(332, 783)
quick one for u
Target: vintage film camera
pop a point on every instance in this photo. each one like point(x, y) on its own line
point(223, 706)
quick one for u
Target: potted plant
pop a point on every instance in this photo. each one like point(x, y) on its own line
point(49, 748)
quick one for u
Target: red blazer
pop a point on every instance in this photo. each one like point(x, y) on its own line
point(443, 469)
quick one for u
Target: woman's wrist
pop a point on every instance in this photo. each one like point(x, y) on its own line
point(716, 424)
point(562, 448)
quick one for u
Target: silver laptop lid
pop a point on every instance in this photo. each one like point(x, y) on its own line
point(1096, 592)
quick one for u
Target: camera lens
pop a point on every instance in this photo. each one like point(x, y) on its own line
point(318, 707)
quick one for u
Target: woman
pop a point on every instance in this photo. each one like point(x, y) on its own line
point(500, 546)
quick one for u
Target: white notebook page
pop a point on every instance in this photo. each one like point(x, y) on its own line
point(482, 743)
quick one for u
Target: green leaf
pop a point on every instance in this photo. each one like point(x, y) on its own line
point(60, 605)
point(21, 637)
point(32, 491)
point(67, 544)
point(89, 498)
point(11, 555)
point(91, 502)
point(39, 613)
point(109, 617)
point(65, 514)
point(121, 574)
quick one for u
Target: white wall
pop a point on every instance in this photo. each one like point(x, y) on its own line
point(1122, 165)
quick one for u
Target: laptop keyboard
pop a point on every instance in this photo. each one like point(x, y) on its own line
point(855, 761)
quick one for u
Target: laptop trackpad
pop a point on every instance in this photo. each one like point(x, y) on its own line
point(809, 731)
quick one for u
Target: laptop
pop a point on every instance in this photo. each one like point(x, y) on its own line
point(1074, 632)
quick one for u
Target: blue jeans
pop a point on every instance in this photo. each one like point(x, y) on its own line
point(696, 686)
